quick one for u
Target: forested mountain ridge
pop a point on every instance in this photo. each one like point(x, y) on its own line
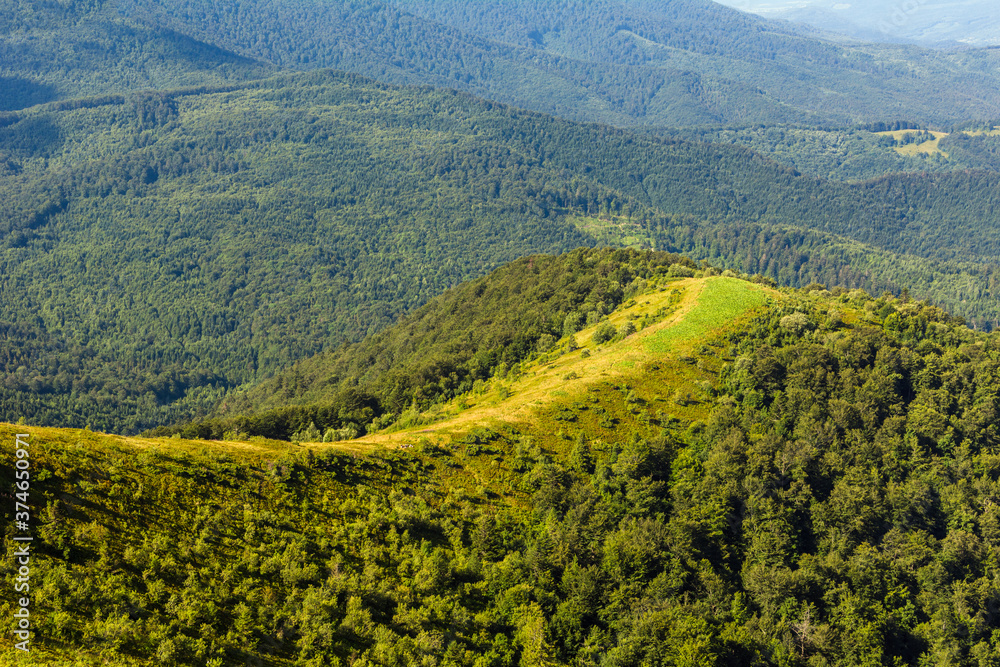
point(686, 62)
point(458, 340)
point(682, 63)
point(82, 49)
point(863, 153)
point(722, 474)
point(196, 240)
point(172, 246)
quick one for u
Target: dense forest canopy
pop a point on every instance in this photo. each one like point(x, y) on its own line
point(678, 63)
point(862, 153)
point(61, 51)
point(170, 247)
point(826, 496)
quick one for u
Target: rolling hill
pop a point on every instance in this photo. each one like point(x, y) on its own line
point(170, 247)
point(68, 50)
point(731, 474)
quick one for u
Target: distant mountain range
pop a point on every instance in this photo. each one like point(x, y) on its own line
point(626, 63)
point(934, 23)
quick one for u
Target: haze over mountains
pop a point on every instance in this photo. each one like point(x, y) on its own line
point(934, 23)
point(680, 63)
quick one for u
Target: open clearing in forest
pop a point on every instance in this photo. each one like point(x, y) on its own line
point(929, 147)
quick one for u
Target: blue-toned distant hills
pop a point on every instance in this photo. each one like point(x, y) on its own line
point(680, 63)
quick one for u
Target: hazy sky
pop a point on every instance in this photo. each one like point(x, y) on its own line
point(974, 22)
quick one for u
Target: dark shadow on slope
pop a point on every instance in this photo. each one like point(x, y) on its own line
point(19, 93)
point(31, 137)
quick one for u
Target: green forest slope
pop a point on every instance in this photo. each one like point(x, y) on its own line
point(861, 153)
point(717, 473)
point(159, 249)
point(77, 48)
point(688, 62)
point(683, 63)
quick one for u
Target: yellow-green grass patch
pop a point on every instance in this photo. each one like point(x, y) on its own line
point(929, 147)
point(618, 229)
point(721, 301)
point(691, 311)
point(995, 132)
point(255, 449)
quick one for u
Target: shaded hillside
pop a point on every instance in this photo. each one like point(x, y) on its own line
point(59, 51)
point(172, 246)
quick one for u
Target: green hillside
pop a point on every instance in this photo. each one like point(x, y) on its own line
point(73, 49)
point(860, 153)
point(455, 343)
point(729, 475)
point(161, 249)
point(683, 63)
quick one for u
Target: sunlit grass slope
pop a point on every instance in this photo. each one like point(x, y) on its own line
point(673, 320)
point(141, 547)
